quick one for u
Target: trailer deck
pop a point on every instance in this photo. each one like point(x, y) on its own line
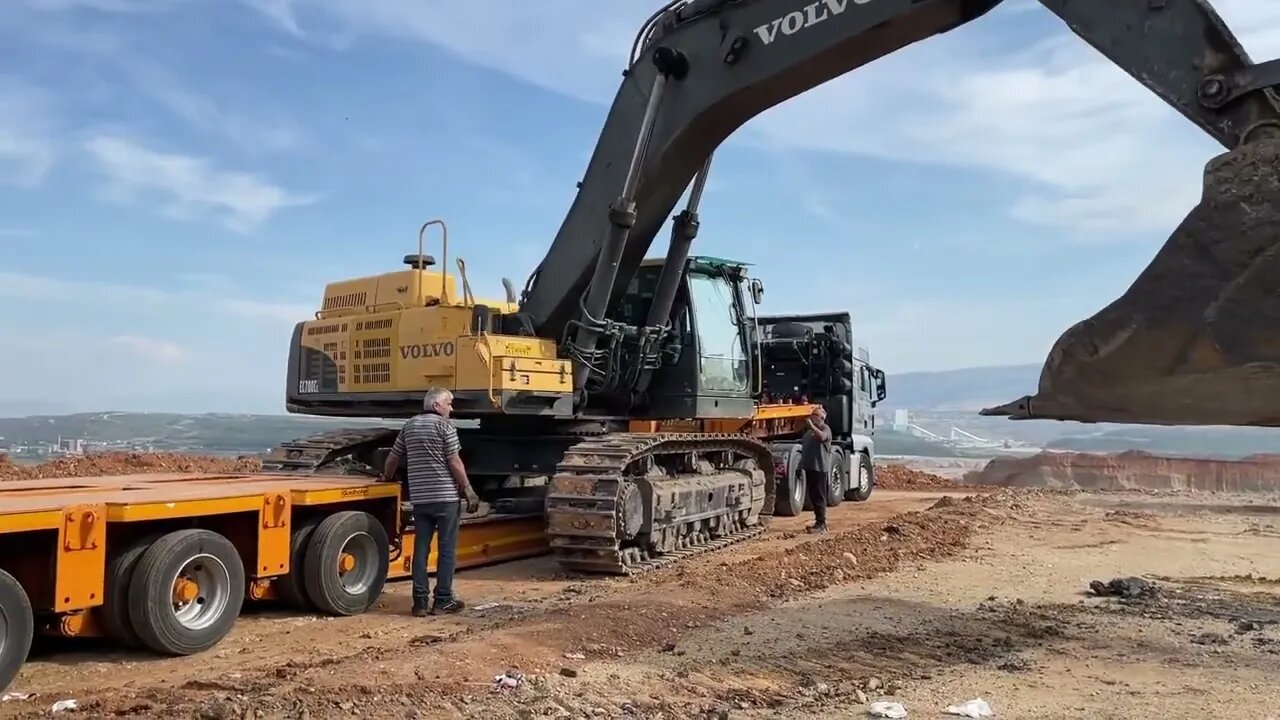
point(166, 560)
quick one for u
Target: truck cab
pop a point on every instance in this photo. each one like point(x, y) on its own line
point(812, 358)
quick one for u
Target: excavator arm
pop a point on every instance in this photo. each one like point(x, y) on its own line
point(700, 69)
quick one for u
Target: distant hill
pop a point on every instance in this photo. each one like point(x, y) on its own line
point(210, 433)
point(964, 389)
point(939, 401)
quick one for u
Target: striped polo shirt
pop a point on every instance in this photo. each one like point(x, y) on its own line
point(426, 442)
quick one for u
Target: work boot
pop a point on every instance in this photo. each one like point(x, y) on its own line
point(816, 529)
point(420, 608)
point(448, 607)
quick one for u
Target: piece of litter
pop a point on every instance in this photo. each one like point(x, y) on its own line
point(487, 606)
point(884, 709)
point(510, 680)
point(63, 705)
point(11, 696)
point(574, 656)
point(977, 708)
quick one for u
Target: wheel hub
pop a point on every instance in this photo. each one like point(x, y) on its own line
point(201, 591)
point(185, 590)
point(346, 562)
point(357, 563)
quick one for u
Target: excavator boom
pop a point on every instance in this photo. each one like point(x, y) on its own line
point(702, 68)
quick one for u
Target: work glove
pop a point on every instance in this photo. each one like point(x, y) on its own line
point(473, 500)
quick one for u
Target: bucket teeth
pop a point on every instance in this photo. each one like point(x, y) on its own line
point(1196, 339)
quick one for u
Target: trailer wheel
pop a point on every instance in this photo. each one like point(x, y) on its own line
point(115, 601)
point(292, 588)
point(792, 496)
point(862, 481)
point(17, 628)
point(186, 592)
point(346, 563)
point(838, 477)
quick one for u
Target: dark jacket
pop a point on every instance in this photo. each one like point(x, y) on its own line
point(815, 449)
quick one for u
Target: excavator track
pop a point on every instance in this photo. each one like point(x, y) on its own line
point(628, 503)
point(322, 451)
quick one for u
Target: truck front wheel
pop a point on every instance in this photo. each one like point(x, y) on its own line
point(862, 481)
point(838, 479)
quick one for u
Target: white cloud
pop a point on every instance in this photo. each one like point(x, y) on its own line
point(111, 6)
point(119, 345)
point(203, 113)
point(27, 153)
point(284, 312)
point(578, 47)
point(263, 130)
point(1100, 154)
point(37, 287)
point(150, 349)
point(147, 300)
point(191, 184)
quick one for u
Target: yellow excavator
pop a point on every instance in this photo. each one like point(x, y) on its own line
point(637, 403)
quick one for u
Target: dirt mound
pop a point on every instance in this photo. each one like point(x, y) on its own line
point(901, 477)
point(1131, 470)
point(125, 463)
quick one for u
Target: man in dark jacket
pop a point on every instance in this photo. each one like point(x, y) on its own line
point(815, 461)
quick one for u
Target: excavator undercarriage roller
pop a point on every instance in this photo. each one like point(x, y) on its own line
point(1196, 339)
point(627, 503)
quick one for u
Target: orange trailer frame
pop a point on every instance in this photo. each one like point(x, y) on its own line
point(62, 540)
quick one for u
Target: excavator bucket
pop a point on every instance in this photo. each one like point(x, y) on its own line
point(1196, 339)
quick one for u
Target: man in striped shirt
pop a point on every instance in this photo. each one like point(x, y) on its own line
point(437, 482)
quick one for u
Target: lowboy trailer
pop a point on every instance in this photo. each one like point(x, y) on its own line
point(166, 561)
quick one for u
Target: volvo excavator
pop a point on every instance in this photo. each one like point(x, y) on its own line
point(625, 398)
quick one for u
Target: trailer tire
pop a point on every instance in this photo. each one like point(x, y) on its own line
point(292, 586)
point(352, 537)
point(17, 628)
point(839, 477)
point(860, 491)
point(115, 598)
point(218, 591)
point(792, 496)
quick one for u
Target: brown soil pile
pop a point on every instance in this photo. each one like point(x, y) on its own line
point(901, 477)
point(1131, 470)
point(125, 463)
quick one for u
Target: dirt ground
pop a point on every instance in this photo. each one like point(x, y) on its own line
point(926, 598)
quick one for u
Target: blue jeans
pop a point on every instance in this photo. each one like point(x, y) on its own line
point(439, 519)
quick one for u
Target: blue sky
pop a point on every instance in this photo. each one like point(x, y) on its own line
point(179, 178)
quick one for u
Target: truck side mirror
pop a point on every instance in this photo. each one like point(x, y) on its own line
point(881, 391)
point(757, 290)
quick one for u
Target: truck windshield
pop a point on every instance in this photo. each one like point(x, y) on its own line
point(723, 361)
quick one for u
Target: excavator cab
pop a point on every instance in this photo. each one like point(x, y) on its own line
point(708, 359)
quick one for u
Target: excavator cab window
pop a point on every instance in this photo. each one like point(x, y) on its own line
point(634, 306)
point(722, 352)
